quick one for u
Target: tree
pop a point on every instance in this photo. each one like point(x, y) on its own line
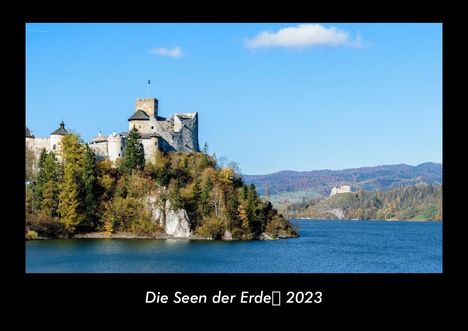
point(50, 188)
point(134, 158)
point(205, 148)
point(69, 204)
point(73, 152)
point(89, 191)
point(204, 206)
point(40, 180)
point(30, 160)
point(43, 194)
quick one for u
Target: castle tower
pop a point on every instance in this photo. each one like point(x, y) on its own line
point(145, 116)
point(56, 137)
point(153, 147)
point(114, 146)
point(149, 106)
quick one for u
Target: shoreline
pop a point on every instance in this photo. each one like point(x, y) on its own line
point(354, 219)
point(157, 236)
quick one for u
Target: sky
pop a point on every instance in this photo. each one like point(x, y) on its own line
point(271, 97)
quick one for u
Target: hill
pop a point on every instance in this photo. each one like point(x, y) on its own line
point(178, 194)
point(402, 203)
point(382, 177)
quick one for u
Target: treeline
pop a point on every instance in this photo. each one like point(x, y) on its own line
point(402, 203)
point(79, 194)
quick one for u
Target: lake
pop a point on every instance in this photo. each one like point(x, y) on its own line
point(324, 247)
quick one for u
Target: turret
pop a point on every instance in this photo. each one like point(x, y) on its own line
point(153, 147)
point(114, 146)
point(56, 137)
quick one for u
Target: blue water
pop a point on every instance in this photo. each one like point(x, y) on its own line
point(324, 247)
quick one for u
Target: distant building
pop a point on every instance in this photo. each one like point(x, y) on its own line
point(176, 133)
point(52, 143)
point(341, 189)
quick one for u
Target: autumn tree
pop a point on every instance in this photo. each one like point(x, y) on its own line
point(73, 155)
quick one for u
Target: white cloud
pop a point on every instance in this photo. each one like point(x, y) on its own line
point(303, 35)
point(175, 52)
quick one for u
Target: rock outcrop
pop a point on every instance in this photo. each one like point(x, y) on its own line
point(265, 236)
point(227, 235)
point(155, 206)
point(175, 221)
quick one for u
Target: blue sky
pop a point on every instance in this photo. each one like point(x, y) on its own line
point(271, 97)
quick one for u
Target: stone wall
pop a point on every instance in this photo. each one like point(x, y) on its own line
point(149, 106)
point(178, 133)
point(149, 145)
point(100, 149)
point(341, 189)
point(143, 126)
point(186, 139)
point(37, 144)
point(116, 146)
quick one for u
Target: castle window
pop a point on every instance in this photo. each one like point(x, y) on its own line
point(152, 127)
point(53, 147)
point(119, 154)
point(121, 148)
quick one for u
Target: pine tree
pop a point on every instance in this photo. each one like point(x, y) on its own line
point(43, 196)
point(50, 189)
point(30, 159)
point(204, 205)
point(89, 191)
point(134, 158)
point(40, 181)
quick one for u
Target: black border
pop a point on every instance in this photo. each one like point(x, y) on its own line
point(360, 292)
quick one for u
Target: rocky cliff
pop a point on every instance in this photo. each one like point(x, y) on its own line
point(175, 221)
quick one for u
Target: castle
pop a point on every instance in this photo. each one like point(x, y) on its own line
point(176, 133)
point(341, 189)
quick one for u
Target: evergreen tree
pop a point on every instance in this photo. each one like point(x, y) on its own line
point(30, 159)
point(196, 191)
point(40, 181)
point(89, 191)
point(43, 196)
point(134, 158)
point(50, 189)
point(205, 206)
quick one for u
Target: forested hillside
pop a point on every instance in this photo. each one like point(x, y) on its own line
point(81, 194)
point(402, 203)
point(367, 178)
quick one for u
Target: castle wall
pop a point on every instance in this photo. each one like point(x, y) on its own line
point(115, 147)
point(186, 139)
point(55, 142)
point(142, 126)
point(164, 129)
point(100, 149)
point(37, 144)
point(178, 133)
point(149, 145)
point(341, 189)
